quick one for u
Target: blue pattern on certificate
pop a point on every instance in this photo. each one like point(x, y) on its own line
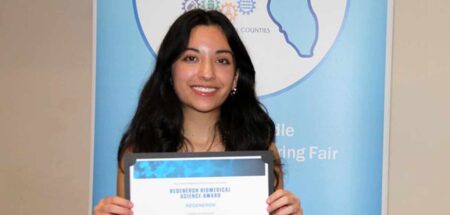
point(198, 168)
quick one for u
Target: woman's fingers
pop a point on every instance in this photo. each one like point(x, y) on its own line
point(114, 209)
point(277, 203)
point(275, 195)
point(114, 205)
point(115, 200)
point(291, 209)
point(282, 202)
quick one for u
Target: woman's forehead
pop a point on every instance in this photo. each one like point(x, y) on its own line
point(208, 37)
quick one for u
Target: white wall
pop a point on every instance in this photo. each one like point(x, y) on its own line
point(46, 99)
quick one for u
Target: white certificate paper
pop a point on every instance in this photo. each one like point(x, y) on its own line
point(220, 183)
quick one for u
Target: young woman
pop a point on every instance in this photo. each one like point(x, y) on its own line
point(201, 98)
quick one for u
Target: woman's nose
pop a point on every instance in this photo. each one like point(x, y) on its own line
point(206, 71)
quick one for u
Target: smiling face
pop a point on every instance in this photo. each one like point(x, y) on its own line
point(205, 72)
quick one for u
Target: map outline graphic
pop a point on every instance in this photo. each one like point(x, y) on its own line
point(291, 85)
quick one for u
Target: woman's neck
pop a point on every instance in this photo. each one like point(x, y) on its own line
point(201, 132)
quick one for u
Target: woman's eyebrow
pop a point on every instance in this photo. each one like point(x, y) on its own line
point(224, 51)
point(220, 51)
point(192, 49)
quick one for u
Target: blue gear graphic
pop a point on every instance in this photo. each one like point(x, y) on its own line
point(246, 6)
point(190, 5)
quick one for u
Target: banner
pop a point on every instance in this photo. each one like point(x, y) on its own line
point(323, 71)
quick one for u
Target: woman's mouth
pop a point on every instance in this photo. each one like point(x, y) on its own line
point(203, 90)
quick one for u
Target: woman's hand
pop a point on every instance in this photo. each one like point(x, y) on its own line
point(114, 205)
point(282, 202)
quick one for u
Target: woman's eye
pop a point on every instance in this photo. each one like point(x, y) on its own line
point(190, 58)
point(223, 61)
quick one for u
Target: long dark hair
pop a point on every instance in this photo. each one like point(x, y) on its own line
point(157, 125)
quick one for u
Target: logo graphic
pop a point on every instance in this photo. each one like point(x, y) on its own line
point(210, 4)
point(229, 10)
point(190, 5)
point(246, 6)
point(286, 39)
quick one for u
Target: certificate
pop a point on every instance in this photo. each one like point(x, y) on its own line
point(210, 183)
